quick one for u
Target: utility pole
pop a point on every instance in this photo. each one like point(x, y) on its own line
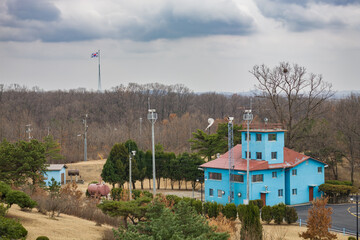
point(248, 117)
point(85, 137)
point(152, 116)
point(28, 130)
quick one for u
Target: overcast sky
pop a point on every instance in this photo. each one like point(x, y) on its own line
point(207, 45)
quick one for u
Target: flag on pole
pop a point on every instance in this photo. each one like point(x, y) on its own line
point(95, 54)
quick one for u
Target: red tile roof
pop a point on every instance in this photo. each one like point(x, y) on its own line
point(291, 159)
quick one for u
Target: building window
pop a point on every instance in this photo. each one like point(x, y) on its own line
point(280, 192)
point(211, 192)
point(246, 136)
point(319, 169)
point(274, 174)
point(272, 137)
point(258, 137)
point(237, 178)
point(246, 154)
point(307, 162)
point(274, 155)
point(214, 176)
point(220, 193)
point(294, 191)
point(258, 155)
point(294, 172)
point(258, 178)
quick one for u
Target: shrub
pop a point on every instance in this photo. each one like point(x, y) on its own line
point(251, 227)
point(21, 199)
point(266, 214)
point(351, 238)
point(337, 193)
point(213, 210)
point(197, 205)
point(278, 213)
point(4, 189)
point(42, 238)
point(11, 229)
point(3, 209)
point(136, 193)
point(173, 199)
point(337, 182)
point(258, 202)
point(290, 215)
point(147, 194)
point(229, 211)
point(241, 212)
point(116, 194)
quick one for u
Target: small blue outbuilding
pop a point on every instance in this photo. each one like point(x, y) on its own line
point(276, 174)
point(56, 171)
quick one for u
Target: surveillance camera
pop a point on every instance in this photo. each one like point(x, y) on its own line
point(133, 152)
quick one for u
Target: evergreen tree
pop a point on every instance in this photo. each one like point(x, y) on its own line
point(52, 149)
point(114, 170)
point(181, 222)
point(22, 160)
point(251, 228)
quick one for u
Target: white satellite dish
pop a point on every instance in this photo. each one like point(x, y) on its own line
point(211, 122)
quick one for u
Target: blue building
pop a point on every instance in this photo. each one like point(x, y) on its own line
point(56, 171)
point(276, 174)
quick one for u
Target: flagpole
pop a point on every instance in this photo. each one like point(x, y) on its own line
point(99, 83)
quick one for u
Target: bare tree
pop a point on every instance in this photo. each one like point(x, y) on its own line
point(347, 119)
point(295, 96)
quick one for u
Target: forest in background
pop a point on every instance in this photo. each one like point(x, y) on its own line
point(323, 127)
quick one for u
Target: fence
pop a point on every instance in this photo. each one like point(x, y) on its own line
point(344, 231)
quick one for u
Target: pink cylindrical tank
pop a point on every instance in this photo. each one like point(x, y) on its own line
point(98, 189)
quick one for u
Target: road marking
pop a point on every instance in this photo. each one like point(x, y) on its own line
point(354, 214)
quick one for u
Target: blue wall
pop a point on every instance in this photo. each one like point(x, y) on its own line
point(307, 175)
point(56, 175)
point(273, 185)
point(264, 146)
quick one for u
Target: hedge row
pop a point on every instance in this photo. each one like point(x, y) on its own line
point(279, 213)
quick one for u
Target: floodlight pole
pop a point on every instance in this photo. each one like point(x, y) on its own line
point(248, 118)
point(152, 116)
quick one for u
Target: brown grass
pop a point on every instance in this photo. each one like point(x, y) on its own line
point(63, 228)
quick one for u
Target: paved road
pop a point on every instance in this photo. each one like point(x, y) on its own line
point(344, 215)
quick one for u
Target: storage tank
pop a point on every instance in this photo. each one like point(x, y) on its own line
point(98, 189)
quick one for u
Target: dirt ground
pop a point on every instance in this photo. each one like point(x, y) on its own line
point(64, 227)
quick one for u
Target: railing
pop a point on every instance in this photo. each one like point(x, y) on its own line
point(344, 231)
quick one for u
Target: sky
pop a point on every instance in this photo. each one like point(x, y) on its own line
point(206, 45)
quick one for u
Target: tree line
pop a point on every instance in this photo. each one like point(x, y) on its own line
point(169, 167)
point(325, 128)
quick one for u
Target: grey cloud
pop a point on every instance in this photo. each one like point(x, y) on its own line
point(41, 10)
point(296, 15)
point(170, 21)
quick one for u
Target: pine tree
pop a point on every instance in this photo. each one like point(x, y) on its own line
point(114, 170)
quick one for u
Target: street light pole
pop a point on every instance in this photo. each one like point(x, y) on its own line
point(132, 153)
point(152, 116)
point(357, 216)
point(248, 117)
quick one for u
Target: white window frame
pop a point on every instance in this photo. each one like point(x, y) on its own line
point(272, 134)
point(258, 135)
point(274, 174)
point(272, 156)
point(294, 191)
point(257, 155)
point(294, 172)
point(219, 193)
point(256, 180)
point(211, 192)
point(320, 168)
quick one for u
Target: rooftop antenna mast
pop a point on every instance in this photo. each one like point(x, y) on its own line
point(248, 117)
point(231, 164)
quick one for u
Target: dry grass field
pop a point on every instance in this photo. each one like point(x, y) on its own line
point(64, 227)
point(68, 227)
